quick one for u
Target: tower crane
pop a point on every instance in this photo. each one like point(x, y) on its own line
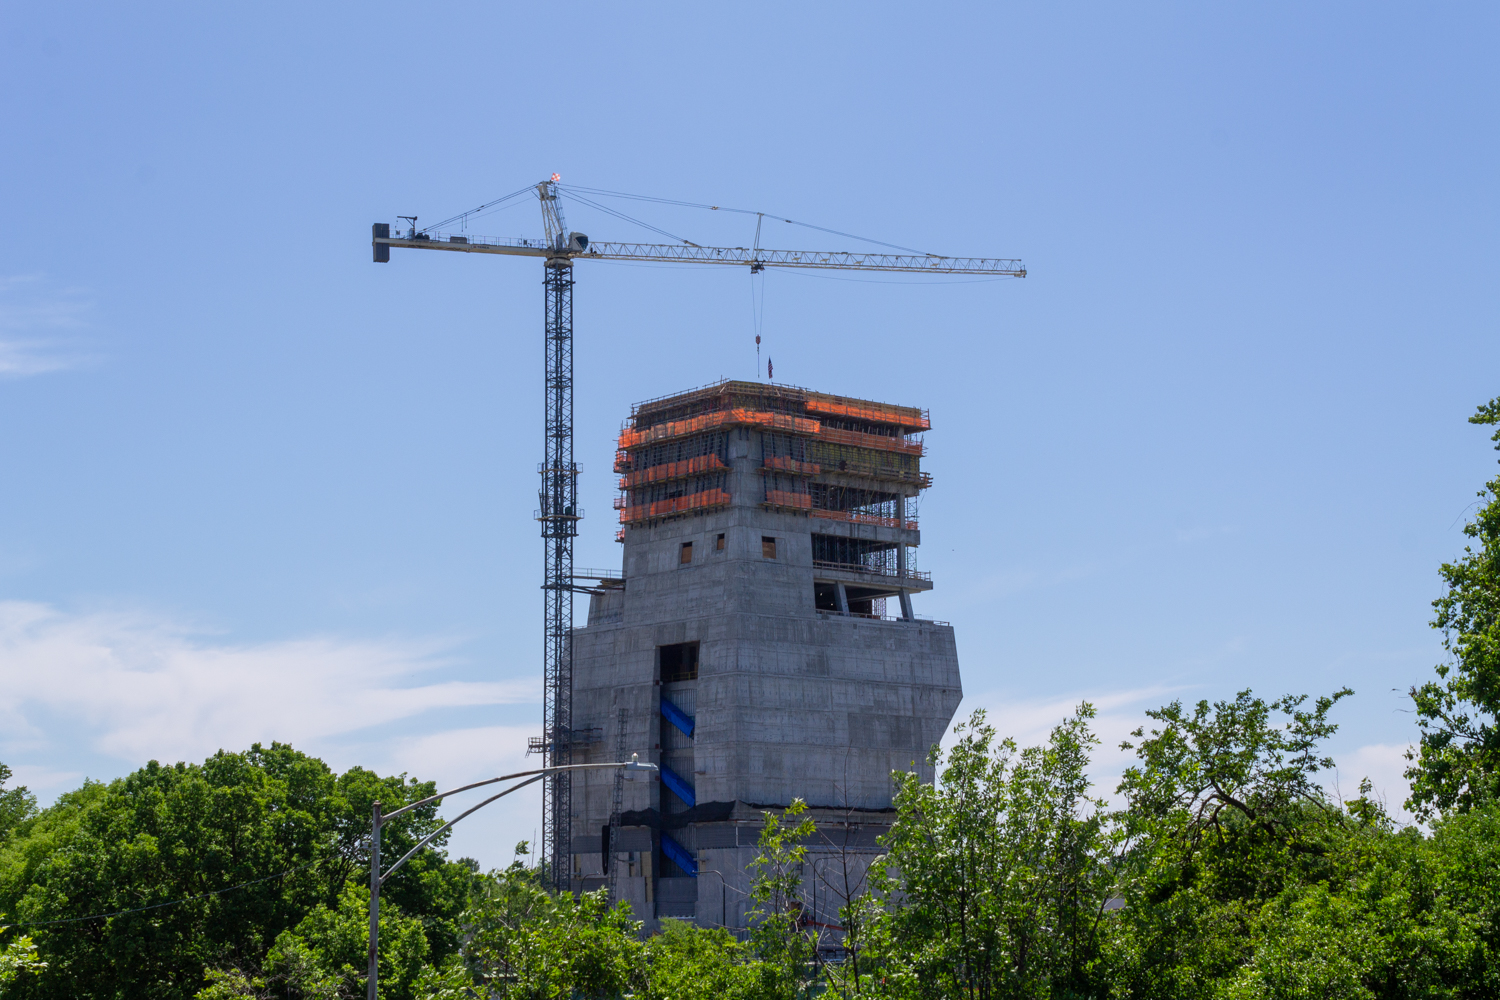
point(558, 512)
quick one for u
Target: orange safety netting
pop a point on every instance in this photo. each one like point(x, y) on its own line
point(877, 441)
point(902, 416)
point(792, 465)
point(713, 421)
point(784, 498)
point(676, 505)
point(672, 470)
point(849, 515)
point(622, 461)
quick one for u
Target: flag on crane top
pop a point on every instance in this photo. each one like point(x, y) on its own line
point(769, 369)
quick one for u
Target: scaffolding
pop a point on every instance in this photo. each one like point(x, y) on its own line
point(824, 456)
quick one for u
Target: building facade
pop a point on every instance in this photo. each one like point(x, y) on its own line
point(759, 646)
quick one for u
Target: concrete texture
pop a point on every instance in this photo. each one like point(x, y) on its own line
point(789, 702)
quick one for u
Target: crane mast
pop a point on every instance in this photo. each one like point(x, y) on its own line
point(558, 512)
point(559, 516)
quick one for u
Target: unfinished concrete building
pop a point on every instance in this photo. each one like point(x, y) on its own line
point(746, 647)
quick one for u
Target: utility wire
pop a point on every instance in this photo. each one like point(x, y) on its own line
point(154, 906)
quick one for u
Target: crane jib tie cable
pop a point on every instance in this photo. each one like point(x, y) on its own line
point(7, 924)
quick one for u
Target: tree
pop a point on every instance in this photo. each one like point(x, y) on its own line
point(528, 944)
point(778, 938)
point(16, 804)
point(996, 875)
point(1458, 761)
point(1222, 815)
point(242, 848)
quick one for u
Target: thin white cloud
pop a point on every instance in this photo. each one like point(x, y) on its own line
point(1385, 765)
point(33, 315)
point(142, 687)
point(1029, 721)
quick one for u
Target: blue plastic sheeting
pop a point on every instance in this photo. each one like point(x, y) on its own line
point(677, 717)
point(679, 855)
point(680, 788)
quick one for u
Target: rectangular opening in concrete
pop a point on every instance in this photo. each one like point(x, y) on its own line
point(719, 545)
point(687, 552)
point(825, 596)
point(767, 547)
point(679, 662)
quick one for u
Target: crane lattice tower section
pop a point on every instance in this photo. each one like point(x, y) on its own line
point(746, 649)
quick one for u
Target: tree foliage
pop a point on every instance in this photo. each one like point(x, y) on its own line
point(255, 843)
point(995, 877)
point(16, 804)
point(1458, 762)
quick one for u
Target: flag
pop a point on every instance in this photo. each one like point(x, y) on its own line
point(769, 369)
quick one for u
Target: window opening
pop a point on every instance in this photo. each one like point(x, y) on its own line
point(679, 662)
point(767, 547)
point(720, 544)
point(687, 552)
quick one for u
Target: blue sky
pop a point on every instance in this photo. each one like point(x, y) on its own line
point(258, 487)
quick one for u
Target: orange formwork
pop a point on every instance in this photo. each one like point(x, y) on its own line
point(673, 470)
point(875, 413)
point(777, 464)
point(877, 442)
point(676, 505)
point(713, 421)
point(849, 515)
point(785, 498)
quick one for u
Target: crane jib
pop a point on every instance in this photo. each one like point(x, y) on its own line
point(668, 253)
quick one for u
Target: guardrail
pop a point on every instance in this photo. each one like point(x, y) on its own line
point(881, 571)
point(885, 618)
point(588, 573)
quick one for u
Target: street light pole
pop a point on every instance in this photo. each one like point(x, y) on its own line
point(377, 820)
point(723, 911)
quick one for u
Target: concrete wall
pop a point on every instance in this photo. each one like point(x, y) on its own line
point(789, 702)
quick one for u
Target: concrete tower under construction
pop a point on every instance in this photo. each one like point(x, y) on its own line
point(759, 644)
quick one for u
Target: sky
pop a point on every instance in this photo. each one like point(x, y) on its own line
point(256, 487)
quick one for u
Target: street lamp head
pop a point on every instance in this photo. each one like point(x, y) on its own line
point(636, 765)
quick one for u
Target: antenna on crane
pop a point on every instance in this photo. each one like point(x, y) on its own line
point(558, 511)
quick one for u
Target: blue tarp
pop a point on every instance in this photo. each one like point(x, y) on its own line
point(680, 788)
point(677, 717)
point(679, 855)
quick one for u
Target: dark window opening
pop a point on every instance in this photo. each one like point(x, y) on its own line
point(687, 552)
point(865, 607)
point(876, 557)
point(825, 597)
point(679, 662)
point(768, 548)
point(720, 544)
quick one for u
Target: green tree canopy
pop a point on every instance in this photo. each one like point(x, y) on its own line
point(1458, 761)
point(251, 843)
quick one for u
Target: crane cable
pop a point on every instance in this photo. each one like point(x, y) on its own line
point(489, 204)
point(622, 215)
point(572, 190)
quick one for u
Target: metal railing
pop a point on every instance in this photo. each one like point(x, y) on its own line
point(590, 573)
point(884, 618)
point(881, 571)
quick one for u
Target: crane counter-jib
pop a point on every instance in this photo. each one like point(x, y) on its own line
point(668, 253)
